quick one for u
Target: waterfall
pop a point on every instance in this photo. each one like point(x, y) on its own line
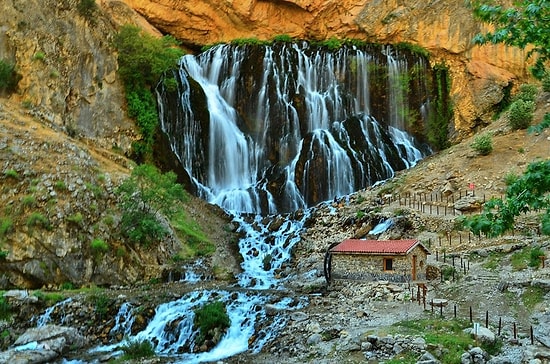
point(262, 130)
point(258, 127)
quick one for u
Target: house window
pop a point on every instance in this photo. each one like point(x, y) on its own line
point(388, 264)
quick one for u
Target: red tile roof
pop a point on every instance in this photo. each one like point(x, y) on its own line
point(391, 247)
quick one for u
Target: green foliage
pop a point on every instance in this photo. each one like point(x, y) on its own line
point(530, 192)
point(11, 173)
point(208, 317)
point(524, 24)
point(248, 41)
point(6, 226)
point(143, 196)
point(39, 56)
point(532, 296)
point(331, 44)
point(5, 308)
point(196, 242)
point(135, 349)
point(283, 38)
point(546, 82)
point(76, 218)
point(86, 8)
point(414, 48)
point(527, 92)
point(483, 144)
point(39, 220)
point(438, 122)
point(100, 301)
point(8, 76)
point(510, 178)
point(143, 60)
point(534, 257)
point(446, 333)
point(60, 186)
point(99, 246)
point(545, 123)
point(521, 114)
point(28, 201)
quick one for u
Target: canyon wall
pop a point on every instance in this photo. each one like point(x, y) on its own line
point(443, 27)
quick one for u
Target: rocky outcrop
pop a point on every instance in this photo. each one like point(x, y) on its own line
point(479, 75)
point(68, 66)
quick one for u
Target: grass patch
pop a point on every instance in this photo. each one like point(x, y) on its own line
point(50, 298)
point(135, 349)
point(446, 333)
point(208, 317)
point(11, 173)
point(532, 296)
point(493, 262)
point(196, 242)
point(5, 308)
point(36, 219)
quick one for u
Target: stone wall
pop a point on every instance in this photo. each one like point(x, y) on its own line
point(371, 267)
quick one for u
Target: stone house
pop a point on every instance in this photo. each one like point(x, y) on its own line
point(388, 260)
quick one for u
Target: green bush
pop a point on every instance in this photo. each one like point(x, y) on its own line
point(37, 219)
point(86, 8)
point(527, 92)
point(8, 76)
point(5, 308)
point(143, 60)
point(521, 114)
point(545, 123)
point(11, 173)
point(99, 246)
point(208, 317)
point(483, 144)
point(138, 349)
point(6, 226)
point(534, 257)
point(546, 82)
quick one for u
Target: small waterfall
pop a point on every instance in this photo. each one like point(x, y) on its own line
point(246, 119)
point(45, 318)
point(124, 320)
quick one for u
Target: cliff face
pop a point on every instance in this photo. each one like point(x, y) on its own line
point(443, 27)
point(68, 67)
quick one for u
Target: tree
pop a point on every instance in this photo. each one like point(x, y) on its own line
point(528, 193)
point(527, 22)
point(144, 197)
point(143, 60)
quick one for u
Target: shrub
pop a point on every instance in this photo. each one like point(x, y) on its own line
point(521, 114)
point(11, 173)
point(86, 8)
point(6, 226)
point(76, 218)
point(135, 349)
point(143, 59)
point(60, 186)
point(5, 309)
point(28, 201)
point(208, 317)
point(483, 144)
point(144, 195)
point(39, 56)
point(8, 76)
point(99, 246)
point(534, 257)
point(546, 82)
point(527, 92)
point(37, 219)
point(545, 123)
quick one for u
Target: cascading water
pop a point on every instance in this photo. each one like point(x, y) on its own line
point(256, 127)
point(271, 129)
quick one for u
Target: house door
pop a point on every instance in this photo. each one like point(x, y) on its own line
point(413, 273)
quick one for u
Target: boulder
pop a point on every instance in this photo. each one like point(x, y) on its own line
point(42, 345)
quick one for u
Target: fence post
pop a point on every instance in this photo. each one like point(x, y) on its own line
point(487, 319)
point(471, 319)
point(499, 325)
